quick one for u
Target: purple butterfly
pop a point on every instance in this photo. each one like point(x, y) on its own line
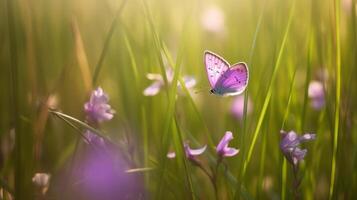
point(225, 80)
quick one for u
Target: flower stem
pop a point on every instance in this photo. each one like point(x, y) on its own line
point(215, 178)
point(212, 177)
point(296, 182)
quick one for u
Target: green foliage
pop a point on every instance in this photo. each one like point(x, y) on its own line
point(52, 51)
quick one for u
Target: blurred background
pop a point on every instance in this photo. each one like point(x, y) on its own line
point(54, 53)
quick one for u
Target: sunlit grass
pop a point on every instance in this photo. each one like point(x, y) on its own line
point(54, 53)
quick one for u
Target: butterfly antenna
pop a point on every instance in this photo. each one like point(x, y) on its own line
point(201, 90)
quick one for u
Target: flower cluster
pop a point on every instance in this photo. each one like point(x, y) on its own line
point(97, 108)
point(289, 145)
point(159, 83)
point(102, 170)
point(97, 111)
point(222, 149)
point(190, 153)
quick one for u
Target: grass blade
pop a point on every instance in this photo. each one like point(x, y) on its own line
point(99, 65)
point(81, 56)
point(83, 124)
point(185, 161)
point(268, 96)
point(171, 96)
point(337, 98)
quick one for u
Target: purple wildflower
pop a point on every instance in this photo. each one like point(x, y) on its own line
point(190, 153)
point(156, 86)
point(189, 81)
point(222, 148)
point(289, 145)
point(94, 139)
point(153, 89)
point(159, 83)
point(316, 94)
point(237, 108)
point(98, 109)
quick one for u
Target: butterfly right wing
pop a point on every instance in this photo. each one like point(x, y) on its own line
point(215, 67)
point(234, 81)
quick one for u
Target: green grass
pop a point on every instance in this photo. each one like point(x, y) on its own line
point(337, 99)
point(52, 53)
point(269, 93)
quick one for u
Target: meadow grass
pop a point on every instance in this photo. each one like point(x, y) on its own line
point(54, 53)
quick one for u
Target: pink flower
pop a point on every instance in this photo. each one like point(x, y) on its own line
point(190, 153)
point(222, 148)
point(212, 19)
point(98, 109)
point(316, 94)
point(237, 108)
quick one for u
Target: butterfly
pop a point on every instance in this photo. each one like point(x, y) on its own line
point(225, 80)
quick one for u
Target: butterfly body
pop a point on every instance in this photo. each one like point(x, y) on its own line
point(224, 79)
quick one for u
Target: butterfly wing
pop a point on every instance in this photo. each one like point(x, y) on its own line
point(234, 80)
point(215, 67)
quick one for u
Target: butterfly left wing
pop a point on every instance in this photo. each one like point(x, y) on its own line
point(234, 81)
point(216, 66)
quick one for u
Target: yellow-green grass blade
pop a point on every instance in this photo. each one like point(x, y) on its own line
point(337, 99)
point(171, 97)
point(269, 93)
point(112, 28)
